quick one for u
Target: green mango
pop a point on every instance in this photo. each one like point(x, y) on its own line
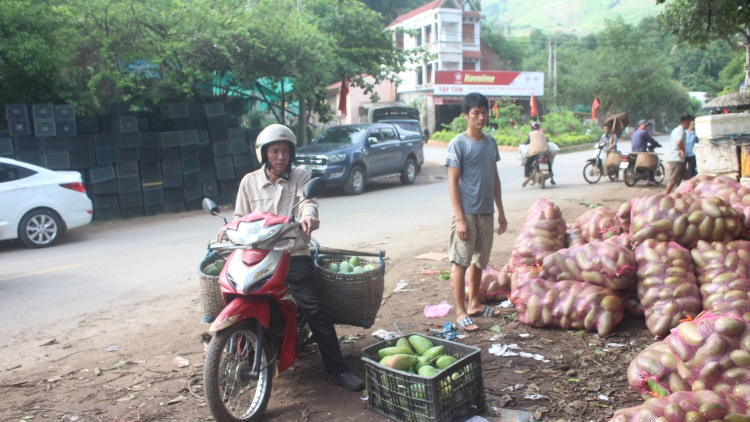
point(358, 270)
point(211, 270)
point(334, 268)
point(369, 267)
point(428, 371)
point(421, 361)
point(390, 351)
point(433, 352)
point(445, 361)
point(346, 267)
point(401, 362)
point(220, 264)
point(354, 261)
point(420, 344)
point(403, 342)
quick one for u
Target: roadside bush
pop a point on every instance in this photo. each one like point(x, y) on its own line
point(563, 121)
point(444, 135)
point(459, 124)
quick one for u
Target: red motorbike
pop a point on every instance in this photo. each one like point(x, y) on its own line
point(259, 332)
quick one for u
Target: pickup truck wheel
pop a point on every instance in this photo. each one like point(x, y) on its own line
point(356, 183)
point(409, 173)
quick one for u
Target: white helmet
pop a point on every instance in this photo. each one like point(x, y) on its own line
point(271, 134)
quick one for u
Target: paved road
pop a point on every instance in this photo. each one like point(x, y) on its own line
point(108, 264)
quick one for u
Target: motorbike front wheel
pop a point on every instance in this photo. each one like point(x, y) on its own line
point(659, 173)
point(629, 177)
point(592, 173)
point(231, 394)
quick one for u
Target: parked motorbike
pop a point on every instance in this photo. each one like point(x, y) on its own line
point(595, 166)
point(631, 175)
point(259, 332)
point(540, 171)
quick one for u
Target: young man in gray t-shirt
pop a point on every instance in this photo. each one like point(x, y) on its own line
point(474, 188)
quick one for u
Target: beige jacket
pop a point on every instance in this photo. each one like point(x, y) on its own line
point(257, 193)
point(537, 144)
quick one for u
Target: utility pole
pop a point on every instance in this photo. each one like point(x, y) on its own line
point(301, 107)
point(549, 60)
point(554, 96)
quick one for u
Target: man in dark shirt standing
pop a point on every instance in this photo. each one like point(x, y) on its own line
point(641, 141)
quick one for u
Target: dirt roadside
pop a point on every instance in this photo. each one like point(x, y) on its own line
point(71, 375)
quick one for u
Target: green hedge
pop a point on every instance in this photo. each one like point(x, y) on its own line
point(512, 137)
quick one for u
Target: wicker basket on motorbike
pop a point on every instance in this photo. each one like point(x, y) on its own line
point(614, 158)
point(647, 161)
point(352, 298)
point(208, 272)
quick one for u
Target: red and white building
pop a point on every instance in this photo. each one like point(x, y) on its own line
point(450, 30)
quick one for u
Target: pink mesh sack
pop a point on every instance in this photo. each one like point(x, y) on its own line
point(598, 224)
point(714, 260)
point(667, 287)
point(489, 287)
point(622, 240)
point(521, 277)
point(687, 406)
point(574, 237)
point(623, 215)
point(602, 263)
point(541, 234)
point(727, 295)
point(571, 305)
point(633, 307)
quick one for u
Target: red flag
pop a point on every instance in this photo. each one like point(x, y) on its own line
point(344, 94)
point(495, 110)
point(594, 106)
point(533, 106)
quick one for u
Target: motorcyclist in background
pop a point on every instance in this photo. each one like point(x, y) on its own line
point(609, 139)
point(641, 142)
point(537, 142)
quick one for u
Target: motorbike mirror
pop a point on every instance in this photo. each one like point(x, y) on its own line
point(210, 207)
point(314, 187)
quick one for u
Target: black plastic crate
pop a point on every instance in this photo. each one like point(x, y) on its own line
point(119, 110)
point(55, 144)
point(237, 134)
point(101, 174)
point(87, 124)
point(171, 153)
point(228, 198)
point(6, 147)
point(105, 201)
point(57, 160)
point(171, 167)
point(241, 160)
point(150, 168)
point(81, 143)
point(178, 110)
point(106, 141)
point(150, 139)
point(170, 139)
point(128, 184)
point(129, 140)
point(130, 154)
point(29, 144)
point(205, 150)
point(234, 120)
point(239, 147)
point(107, 156)
point(42, 111)
point(154, 209)
point(210, 189)
point(172, 180)
point(127, 169)
point(110, 186)
point(218, 135)
point(125, 124)
point(190, 151)
point(222, 148)
point(203, 138)
point(218, 123)
point(160, 127)
point(44, 128)
point(181, 124)
point(65, 112)
point(199, 124)
point(251, 135)
point(214, 109)
point(149, 183)
point(66, 127)
point(82, 159)
point(225, 173)
point(191, 165)
point(35, 159)
point(455, 394)
point(207, 163)
point(174, 194)
point(105, 214)
point(151, 197)
point(192, 179)
point(193, 192)
point(142, 125)
point(189, 137)
point(228, 186)
point(194, 205)
point(197, 111)
point(208, 176)
point(105, 124)
point(175, 207)
point(131, 199)
point(131, 212)
point(17, 112)
point(19, 128)
point(241, 171)
point(151, 154)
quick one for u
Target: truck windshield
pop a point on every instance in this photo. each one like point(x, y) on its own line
point(341, 135)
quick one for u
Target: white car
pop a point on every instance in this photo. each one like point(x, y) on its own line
point(37, 204)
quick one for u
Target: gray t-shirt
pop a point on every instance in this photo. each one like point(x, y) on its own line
point(476, 160)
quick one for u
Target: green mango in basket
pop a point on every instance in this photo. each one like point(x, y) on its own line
point(428, 371)
point(354, 261)
point(359, 270)
point(220, 264)
point(346, 267)
point(369, 267)
point(211, 270)
point(334, 268)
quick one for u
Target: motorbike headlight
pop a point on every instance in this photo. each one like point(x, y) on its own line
point(336, 158)
point(269, 231)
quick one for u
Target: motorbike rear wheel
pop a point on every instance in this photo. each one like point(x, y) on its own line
point(592, 173)
point(231, 395)
point(630, 177)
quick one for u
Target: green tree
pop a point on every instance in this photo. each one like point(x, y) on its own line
point(391, 9)
point(492, 35)
point(698, 22)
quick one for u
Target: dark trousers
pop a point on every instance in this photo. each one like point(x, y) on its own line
point(530, 162)
point(303, 285)
point(691, 165)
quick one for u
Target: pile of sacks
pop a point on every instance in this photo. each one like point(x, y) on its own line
point(666, 257)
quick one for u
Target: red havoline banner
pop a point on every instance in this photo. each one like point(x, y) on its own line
point(489, 82)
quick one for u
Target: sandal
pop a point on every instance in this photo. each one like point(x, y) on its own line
point(467, 322)
point(487, 312)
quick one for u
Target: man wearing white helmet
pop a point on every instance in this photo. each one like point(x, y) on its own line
point(275, 188)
